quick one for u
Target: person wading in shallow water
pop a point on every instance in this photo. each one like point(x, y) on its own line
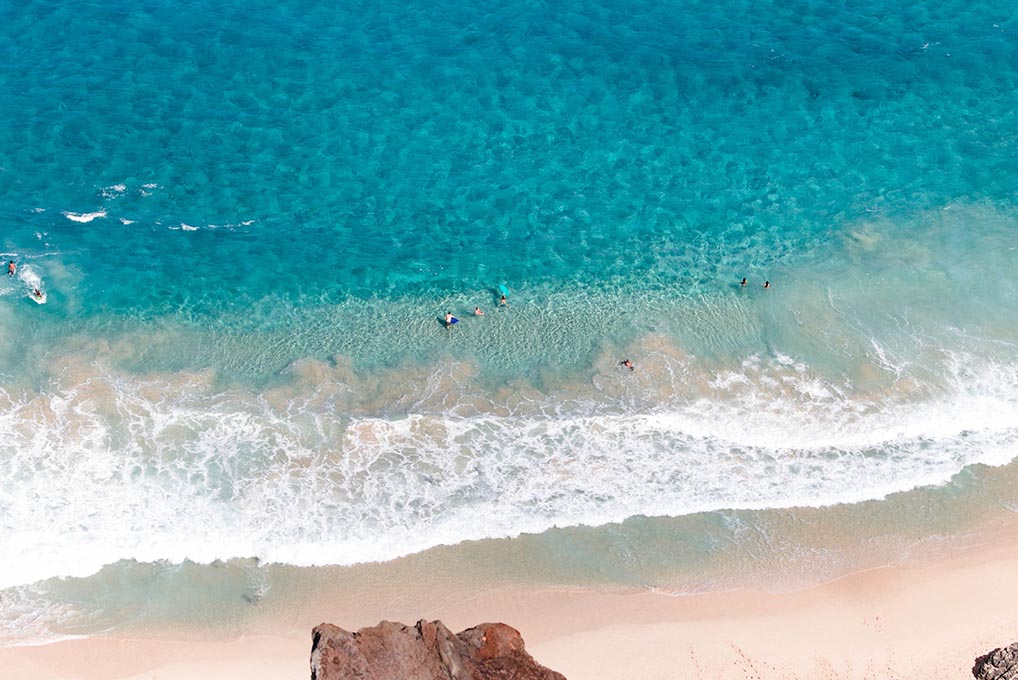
point(627, 363)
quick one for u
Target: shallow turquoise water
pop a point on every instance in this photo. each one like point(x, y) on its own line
point(408, 151)
point(249, 221)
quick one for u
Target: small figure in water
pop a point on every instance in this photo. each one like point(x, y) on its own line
point(448, 320)
point(743, 282)
point(627, 363)
point(478, 312)
point(37, 293)
point(11, 268)
point(767, 284)
point(502, 302)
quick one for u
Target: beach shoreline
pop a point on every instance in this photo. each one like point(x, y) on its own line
point(750, 409)
point(916, 621)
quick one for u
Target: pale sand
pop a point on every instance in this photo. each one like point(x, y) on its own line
point(926, 622)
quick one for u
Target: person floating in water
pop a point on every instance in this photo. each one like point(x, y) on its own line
point(11, 269)
point(627, 363)
point(478, 312)
point(743, 282)
point(767, 284)
point(502, 301)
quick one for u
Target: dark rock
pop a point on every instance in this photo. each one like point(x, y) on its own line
point(427, 651)
point(1000, 664)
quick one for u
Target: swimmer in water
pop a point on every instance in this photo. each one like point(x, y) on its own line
point(11, 268)
point(627, 363)
point(743, 282)
point(502, 301)
point(37, 293)
point(767, 284)
point(478, 312)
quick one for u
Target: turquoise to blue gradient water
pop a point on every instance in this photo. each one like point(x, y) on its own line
point(401, 149)
point(250, 218)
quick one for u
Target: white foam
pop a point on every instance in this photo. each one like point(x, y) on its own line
point(84, 217)
point(229, 225)
point(113, 191)
point(28, 618)
point(32, 281)
point(185, 472)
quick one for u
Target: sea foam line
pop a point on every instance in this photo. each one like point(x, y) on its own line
point(184, 472)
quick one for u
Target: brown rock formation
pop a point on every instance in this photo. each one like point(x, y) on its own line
point(1000, 664)
point(427, 651)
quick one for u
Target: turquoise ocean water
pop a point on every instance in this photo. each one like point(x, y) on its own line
point(250, 219)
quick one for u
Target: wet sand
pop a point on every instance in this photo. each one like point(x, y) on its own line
point(919, 621)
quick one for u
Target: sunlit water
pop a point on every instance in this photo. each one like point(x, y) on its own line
point(250, 221)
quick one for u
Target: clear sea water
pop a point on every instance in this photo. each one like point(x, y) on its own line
point(249, 220)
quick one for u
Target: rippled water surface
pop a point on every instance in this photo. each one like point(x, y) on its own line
point(250, 220)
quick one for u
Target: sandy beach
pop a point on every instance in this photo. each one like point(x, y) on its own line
point(926, 621)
